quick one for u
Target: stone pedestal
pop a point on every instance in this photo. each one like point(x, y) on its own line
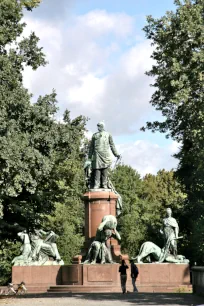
point(37, 278)
point(97, 205)
point(164, 277)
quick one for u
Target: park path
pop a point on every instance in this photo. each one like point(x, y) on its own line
point(106, 299)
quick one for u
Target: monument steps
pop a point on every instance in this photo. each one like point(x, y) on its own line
point(95, 289)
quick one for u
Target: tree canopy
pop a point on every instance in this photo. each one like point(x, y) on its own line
point(32, 142)
point(40, 160)
point(144, 203)
point(178, 54)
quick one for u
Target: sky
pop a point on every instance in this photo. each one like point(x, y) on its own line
point(98, 55)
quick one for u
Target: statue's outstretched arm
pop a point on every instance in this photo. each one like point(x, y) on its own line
point(117, 235)
point(101, 225)
point(43, 232)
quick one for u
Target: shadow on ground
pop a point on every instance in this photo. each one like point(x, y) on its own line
point(132, 298)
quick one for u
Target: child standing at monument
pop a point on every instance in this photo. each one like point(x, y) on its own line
point(123, 275)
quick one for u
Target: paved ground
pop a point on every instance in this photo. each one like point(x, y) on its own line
point(106, 299)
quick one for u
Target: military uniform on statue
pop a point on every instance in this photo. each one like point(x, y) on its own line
point(96, 268)
point(100, 156)
point(101, 199)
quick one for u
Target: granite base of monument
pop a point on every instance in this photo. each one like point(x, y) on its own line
point(37, 278)
point(97, 205)
point(163, 277)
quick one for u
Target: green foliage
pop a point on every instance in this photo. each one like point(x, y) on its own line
point(178, 53)
point(160, 192)
point(198, 235)
point(67, 223)
point(32, 142)
point(144, 204)
point(30, 4)
point(8, 250)
point(40, 175)
point(68, 217)
point(129, 185)
point(40, 161)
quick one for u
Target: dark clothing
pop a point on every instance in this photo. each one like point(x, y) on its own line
point(134, 270)
point(134, 285)
point(123, 280)
point(123, 269)
point(123, 277)
point(134, 275)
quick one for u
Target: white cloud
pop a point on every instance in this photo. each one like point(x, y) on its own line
point(89, 91)
point(97, 73)
point(137, 60)
point(100, 22)
point(147, 157)
point(93, 71)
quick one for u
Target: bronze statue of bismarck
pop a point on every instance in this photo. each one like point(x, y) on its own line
point(100, 155)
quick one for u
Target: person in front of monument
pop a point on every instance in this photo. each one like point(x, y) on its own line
point(100, 156)
point(123, 275)
point(134, 274)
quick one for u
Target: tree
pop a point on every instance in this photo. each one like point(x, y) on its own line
point(128, 183)
point(144, 204)
point(14, 98)
point(178, 53)
point(32, 142)
point(67, 219)
point(160, 192)
point(39, 156)
point(8, 250)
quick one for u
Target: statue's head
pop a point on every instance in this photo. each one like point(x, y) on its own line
point(108, 233)
point(169, 212)
point(101, 126)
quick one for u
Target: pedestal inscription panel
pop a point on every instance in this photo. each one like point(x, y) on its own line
point(99, 273)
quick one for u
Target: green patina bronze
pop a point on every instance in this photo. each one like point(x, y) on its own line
point(150, 251)
point(99, 252)
point(98, 162)
point(38, 248)
point(100, 156)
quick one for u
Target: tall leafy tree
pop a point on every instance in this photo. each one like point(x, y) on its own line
point(39, 157)
point(144, 204)
point(32, 142)
point(128, 184)
point(160, 192)
point(178, 53)
point(67, 220)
